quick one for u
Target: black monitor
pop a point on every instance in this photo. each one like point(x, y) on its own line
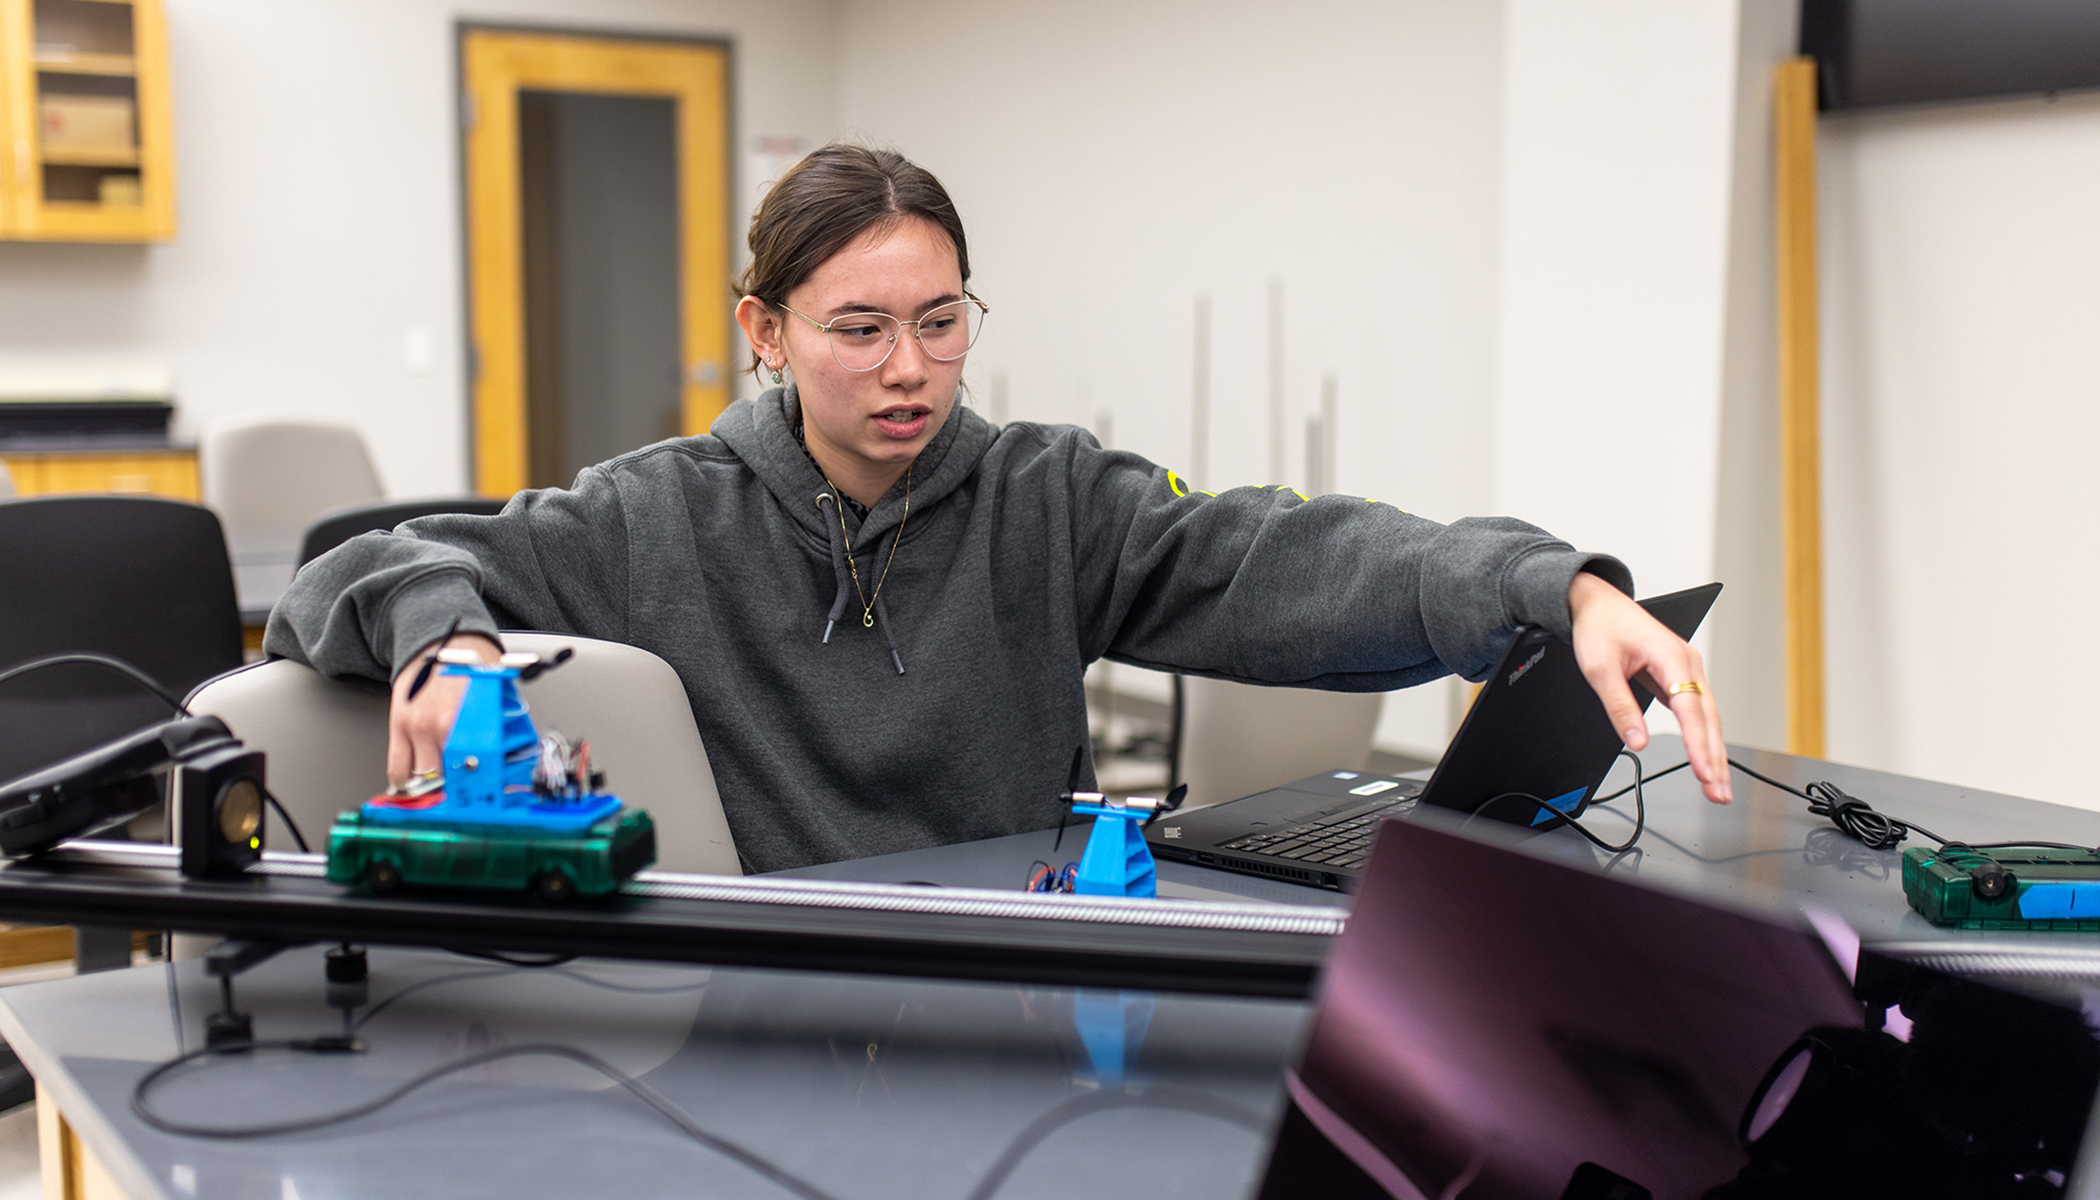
point(1876, 52)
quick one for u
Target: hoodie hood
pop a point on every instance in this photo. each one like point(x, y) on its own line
point(761, 432)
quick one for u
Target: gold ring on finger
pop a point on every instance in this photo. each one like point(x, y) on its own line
point(1690, 685)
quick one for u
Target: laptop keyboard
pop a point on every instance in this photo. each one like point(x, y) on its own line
point(1329, 842)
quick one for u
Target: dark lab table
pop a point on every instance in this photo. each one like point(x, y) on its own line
point(870, 1086)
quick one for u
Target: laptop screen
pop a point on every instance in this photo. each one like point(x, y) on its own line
point(1497, 1025)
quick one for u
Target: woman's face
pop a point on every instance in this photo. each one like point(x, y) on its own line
point(871, 424)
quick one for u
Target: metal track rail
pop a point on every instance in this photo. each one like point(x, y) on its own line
point(953, 933)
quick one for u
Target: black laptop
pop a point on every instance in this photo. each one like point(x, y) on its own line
point(1531, 752)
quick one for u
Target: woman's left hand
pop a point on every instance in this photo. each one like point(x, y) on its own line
point(1616, 640)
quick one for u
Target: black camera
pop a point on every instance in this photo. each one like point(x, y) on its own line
point(220, 794)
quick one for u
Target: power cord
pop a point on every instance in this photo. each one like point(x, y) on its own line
point(516, 960)
point(351, 994)
point(1102, 1101)
point(1856, 818)
point(335, 1045)
point(290, 826)
point(107, 663)
point(1877, 830)
point(994, 1177)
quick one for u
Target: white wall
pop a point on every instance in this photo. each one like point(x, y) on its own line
point(1618, 131)
point(1961, 277)
point(317, 161)
point(1115, 161)
point(1748, 624)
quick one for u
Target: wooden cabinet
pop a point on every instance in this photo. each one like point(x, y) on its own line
point(171, 472)
point(89, 153)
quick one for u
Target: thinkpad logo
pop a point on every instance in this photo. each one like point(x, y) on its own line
point(1528, 664)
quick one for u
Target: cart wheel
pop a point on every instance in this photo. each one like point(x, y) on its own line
point(382, 876)
point(554, 886)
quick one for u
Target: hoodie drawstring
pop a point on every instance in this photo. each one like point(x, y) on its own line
point(836, 532)
point(838, 564)
point(882, 618)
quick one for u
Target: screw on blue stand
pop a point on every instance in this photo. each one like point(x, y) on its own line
point(1117, 861)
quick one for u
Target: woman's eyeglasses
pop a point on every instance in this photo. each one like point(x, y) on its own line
point(863, 341)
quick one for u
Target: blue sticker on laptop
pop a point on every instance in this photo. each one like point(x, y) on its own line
point(1560, 806)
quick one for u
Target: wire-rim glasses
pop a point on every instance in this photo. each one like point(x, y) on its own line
point(863, 341)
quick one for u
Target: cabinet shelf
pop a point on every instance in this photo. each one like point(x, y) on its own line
point(90, 158)
point(88, 64)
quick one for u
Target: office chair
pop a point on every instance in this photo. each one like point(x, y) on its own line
point(267, 480)
point(339, 525)
point(326, 740)
point(1237, 739)
point(142, 579)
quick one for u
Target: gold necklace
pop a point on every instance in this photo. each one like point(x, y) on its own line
point(867, 603)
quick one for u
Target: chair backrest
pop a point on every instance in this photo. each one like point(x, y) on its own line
point(326, 741)
point(268, 480)
point(339, 525)
point(138, 578)
point(1238, 739)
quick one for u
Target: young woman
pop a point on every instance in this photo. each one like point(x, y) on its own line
point(882, 606)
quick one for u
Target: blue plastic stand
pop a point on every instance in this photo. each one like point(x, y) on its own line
point(1117, 861)
point(493, 743)
point(488, 766)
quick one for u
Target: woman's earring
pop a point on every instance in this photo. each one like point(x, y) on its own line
point(776, 372)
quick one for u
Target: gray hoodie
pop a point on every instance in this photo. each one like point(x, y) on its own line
point(1028, 553)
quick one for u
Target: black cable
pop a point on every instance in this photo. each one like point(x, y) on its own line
point(290, 826)
point(487, 973)
point(1856, 818)
point(1640, 808)
point(513, 960)
point(1101, 1101)
point(994, 1178)
point(107, 663)
point(1877, 830)
point(419, 985)
point(641, 1091)
point(164, 695)
point(1607, 799)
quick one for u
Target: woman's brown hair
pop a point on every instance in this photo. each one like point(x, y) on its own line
point(827, 200)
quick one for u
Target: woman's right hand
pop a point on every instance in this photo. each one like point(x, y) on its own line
point(416, 728)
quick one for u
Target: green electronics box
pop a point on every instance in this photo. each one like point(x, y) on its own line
point(2015, 887)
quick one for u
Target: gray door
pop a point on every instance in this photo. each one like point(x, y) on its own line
point(598, 178)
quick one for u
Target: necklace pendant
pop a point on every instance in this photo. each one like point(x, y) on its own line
point(867, 620)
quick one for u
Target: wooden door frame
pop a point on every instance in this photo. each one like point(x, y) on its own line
point(1800, 400)
point(495, 63)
